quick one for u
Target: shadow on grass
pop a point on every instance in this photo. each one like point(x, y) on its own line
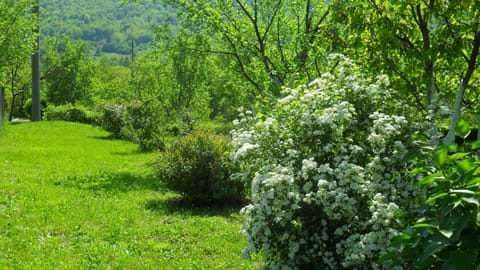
point(111, 182)
point(180, 206)
point(109, 137)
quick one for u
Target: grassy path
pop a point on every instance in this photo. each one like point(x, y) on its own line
point(70, 198)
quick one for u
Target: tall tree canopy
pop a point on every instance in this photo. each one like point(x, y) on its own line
point(429, 48)
point(272, 42)
point(16, 24)
point(68, 73)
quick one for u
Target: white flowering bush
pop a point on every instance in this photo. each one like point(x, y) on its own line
point(327, 169)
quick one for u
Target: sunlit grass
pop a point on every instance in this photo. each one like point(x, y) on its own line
point(71, 198)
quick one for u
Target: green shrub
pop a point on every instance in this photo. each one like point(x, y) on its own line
point(142, 123)
point(198, 167)
point(446, 234)
point(71, 113)
point(217, 126)
point(112, 118)
point(171, 129)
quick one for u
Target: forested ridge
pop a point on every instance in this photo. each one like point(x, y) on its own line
point(109, 26)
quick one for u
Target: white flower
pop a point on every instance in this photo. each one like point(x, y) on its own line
point(322, 183)
point(242, 151)
point(308, 165)
point(286, 99)
point(314, 153)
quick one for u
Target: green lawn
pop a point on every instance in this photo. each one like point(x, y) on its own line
point(71, 198)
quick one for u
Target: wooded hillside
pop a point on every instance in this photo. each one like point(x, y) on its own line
point(107, 25)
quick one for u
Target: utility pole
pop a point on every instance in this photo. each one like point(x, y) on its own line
point(133, 50)
point(36, 115)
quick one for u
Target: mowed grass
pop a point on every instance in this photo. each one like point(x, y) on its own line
point(71, 198)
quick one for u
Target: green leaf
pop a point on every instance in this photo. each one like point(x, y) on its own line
point(478, 218)
point(475, 145)
point(462, 129)
point(473, 182)
point(401, 240)
point(477, 170)
point(466, 165)
point(470, 200)
point(455, 223)
point(435, 244)
point(439, 195)
point(430, 179)
point(441, 155)
point(461, 191)
point(447, 233)
point(421, 170)
point(425, 225)
point(387, 257)
point(457, 156)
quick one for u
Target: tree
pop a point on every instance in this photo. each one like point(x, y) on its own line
point(190, 73)
point(15, 29)
point(69, 73)
point(19, 76)
point(429, 48)
point(16, 39)
point(272, 42)
point(111, 82)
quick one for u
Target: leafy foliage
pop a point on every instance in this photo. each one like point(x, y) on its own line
point(271, 43)
point(447, 231)
point(16, 46)
point(425, 47)
point(429, 49)
point(71, 113)
point(198, 167)
point(107, 26)
point(16, 23)
point(111, 83)
point(112, 118)
point(327, 170)
point(143, 123)
point(69, 74)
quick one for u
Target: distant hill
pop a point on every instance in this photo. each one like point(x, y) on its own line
point(107, 25)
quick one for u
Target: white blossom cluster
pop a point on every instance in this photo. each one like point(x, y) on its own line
point(327, 173)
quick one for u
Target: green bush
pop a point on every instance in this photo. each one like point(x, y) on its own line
point(142, 122)
point(446, 234)
point(112, 118)
point(71, 113)
point(198, 167)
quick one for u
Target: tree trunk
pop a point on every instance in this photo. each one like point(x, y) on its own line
point(12, 104)
point(450, 138)
point(472, 60)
